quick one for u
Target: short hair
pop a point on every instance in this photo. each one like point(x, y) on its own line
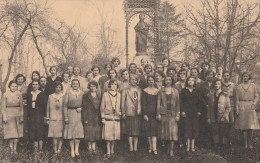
point(20, 75)
point(150, 76)
point(75, 80)
point(89, 72)
point(187, 80)
point(249, 75)
point(205, 63)
point(140, 70)
point(160, 73)
point(148, 65)
point(185, 63)
point(112, 81)
point(107, 64)
point(35, 72)
point(181, 70)
point(210, 71)
point(132, 64)
point(215, 81)
point(93, 82)
point(10, 83)
point(37, 81)
point(134, 76)
point(95, 66)
point(77, 67)
point(57, 83)
point(169, 61)
point(52, 68)
point(42, 77)
point(224, 72)
point(114, 59)
point(124, 70)
point(171, 68)
point(108, 73)
point(195, 68)
point(171, 79)
point(66, 72)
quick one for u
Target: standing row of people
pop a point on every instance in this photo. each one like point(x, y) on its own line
point(165, 104)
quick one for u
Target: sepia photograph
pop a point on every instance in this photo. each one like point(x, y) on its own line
point(138, 81)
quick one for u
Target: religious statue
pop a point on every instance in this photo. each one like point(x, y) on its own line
point(141, 30)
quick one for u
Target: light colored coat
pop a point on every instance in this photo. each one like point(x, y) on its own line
point(107, 110)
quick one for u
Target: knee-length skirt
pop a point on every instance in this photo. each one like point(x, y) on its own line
point(13, 128)
point(133, 126)
point(168, 128)
point(56, 128)
point(111, 130)
point(150, 127)
point(247, 117)
point(92, 132)
point(74, 129)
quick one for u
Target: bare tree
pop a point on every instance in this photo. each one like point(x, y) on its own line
point(224, 31)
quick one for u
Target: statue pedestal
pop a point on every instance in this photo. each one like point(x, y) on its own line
point(137, 59)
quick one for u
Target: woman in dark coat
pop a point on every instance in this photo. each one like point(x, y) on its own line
point(91, 115)
point(37, 102)
point(53, 78)
point(190, 111)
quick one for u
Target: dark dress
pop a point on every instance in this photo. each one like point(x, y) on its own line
point(91, 115)
point(190, 104)
point(50, 83)
point(149, 104)
point(36, 116)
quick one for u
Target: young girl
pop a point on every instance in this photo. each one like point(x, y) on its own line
point(91, 116)
point(12, 109)
point(190, 111)
point(55, 117)
point(131, 111)
point(168, 112)
point(149, 103)
point(110, 114)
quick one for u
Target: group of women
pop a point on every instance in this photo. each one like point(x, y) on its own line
point(160, 103)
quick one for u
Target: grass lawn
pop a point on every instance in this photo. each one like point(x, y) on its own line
point(234, 154)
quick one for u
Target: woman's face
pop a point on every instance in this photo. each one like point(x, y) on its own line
point(58, 89)
point(132, 69)
point(13, 87)
point(150, 82)
point(112, 74)
point(194, 73)
point(35, 86)
point(210, 76)
point(218, 85)
point(66, 78)
point(138, 72)
point(116, 63)
point(125, 76)
point(158, 77)
point(70, 69)
point(107, 68)
point(20, 80)
point(96, 71)
point(113, 86)
point(165, 63)
point(183, 75)
point(75, 85)
point(43, 82)
point(53, 71)
point(76, 71)
point(191, 82)
point(92, 88)
point(159, 67)
point(185, 67)
point(148, 70)
point(35, 76)
point(168, 81)
point(226, 77)
point(133, 81)
point(171, 73)
point(90, 77)
point(245, 77)
point(205, 67)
